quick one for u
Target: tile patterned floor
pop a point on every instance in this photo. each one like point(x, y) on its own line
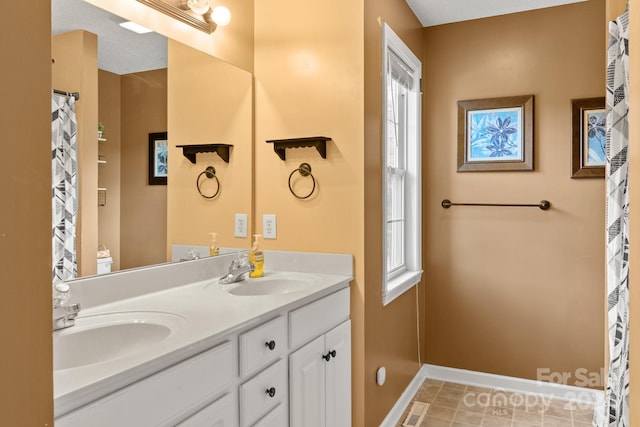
point(459, 405)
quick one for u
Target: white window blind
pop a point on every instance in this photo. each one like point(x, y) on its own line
point(402, 163)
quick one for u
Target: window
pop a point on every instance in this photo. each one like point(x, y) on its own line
point(402, 207)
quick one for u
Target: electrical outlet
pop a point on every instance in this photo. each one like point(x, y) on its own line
point(269, 226)
point(241, 225)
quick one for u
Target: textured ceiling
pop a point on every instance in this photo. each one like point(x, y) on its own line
point(436, 12)
point(120, 51)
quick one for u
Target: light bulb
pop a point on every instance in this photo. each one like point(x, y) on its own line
point(221, 16)
point(199, 6)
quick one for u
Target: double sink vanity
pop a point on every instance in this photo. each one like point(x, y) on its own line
point(170, 345)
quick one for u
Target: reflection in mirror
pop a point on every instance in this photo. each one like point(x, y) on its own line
point(125, 81)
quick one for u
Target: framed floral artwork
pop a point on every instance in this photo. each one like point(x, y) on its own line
point(588, 137)
point(158, 157)
point(495, 134)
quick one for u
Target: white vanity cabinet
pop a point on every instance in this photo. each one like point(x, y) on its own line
point(290, 366)
point(320, 371)
point(162, 399)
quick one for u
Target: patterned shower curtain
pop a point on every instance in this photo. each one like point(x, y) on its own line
point(64, 191)
point(616, 405)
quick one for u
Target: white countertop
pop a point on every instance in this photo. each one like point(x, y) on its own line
point(204, 312)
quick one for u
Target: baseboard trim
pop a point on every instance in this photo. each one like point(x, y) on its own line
point(521, 385)
point(482, 379)
point(393, 417)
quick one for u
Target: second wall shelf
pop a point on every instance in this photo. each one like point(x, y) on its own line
point(280, 145)
point(190, 151)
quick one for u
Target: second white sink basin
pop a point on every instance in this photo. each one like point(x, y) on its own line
point(105, 337)
point(274, 284)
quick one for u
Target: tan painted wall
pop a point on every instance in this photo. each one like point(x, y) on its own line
point(614, 8)
point(109, 110)
point(311, 80)
point(232, 43)
point(25, 220)
point(391, 335)
point(513, 290)
point(210, 101)
point(76, 70)
point(309, 73)
point(143, 207)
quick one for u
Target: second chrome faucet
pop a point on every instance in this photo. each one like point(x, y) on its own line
point(238, 268)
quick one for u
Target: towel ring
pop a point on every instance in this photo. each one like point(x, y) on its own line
point(209, 172)
point(305, 170)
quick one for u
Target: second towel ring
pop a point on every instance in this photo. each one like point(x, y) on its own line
point(209, 172)
point(304, 170)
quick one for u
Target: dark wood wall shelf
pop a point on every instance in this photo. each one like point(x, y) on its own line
point(190, 151)
point(280, 145)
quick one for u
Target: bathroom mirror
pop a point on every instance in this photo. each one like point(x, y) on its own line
point(162, 86)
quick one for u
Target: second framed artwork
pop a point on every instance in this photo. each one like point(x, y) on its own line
point(495, 134)
point(158, 158)
point(588, 137)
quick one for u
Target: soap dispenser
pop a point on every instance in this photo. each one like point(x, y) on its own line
point(213, 247)
point(256, 257)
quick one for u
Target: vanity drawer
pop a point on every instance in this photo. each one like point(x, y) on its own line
point(318, 317)
point(262, 345)
point(221, 413)
point(255, 400)
point(275, 418)
point(163, 398)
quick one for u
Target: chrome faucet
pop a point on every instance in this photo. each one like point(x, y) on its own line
point(63, 315)
point(238, 268)
point(191, 254)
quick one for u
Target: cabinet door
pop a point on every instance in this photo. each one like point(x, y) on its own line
point(338, 376)
point(220, 413)
point(307, 385)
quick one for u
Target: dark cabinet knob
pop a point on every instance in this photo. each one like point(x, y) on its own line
point(271, 391)
point(329, 355)
point(270, 344)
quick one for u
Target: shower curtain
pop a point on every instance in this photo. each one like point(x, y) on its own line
point(64, 191)
point(616, 405)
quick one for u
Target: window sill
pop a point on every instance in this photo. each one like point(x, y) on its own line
point(400, 284)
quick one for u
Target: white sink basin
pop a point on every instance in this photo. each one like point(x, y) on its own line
point(105, 337)
point(274, 284)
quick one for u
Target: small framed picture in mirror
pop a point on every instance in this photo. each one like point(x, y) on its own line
point(158, 156)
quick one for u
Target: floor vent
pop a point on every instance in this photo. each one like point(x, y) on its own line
point(416, 414)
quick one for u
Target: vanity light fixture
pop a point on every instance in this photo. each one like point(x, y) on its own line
point(196, 13)
point(199, 7)
point(221, 15)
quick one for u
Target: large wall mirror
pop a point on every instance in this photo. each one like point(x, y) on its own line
point(135, 85)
